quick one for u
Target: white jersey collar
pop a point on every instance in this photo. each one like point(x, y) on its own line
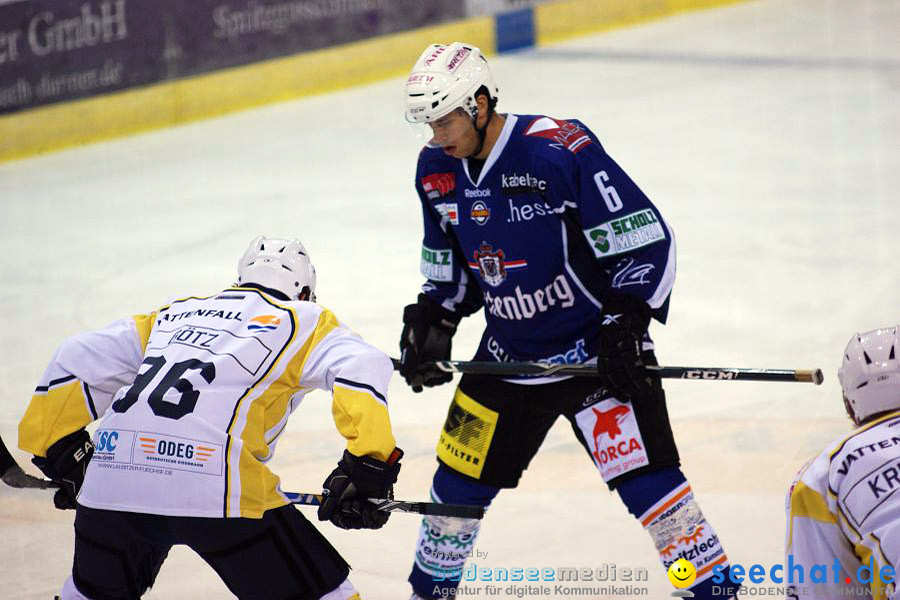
point(499, 145)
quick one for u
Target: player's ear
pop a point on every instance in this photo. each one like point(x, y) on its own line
point(483, 103)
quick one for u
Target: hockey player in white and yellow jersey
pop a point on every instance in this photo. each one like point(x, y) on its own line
point(192, 400)
point(843, 511)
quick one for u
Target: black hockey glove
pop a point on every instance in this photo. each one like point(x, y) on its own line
point(427, 331)
point(12, 474)
point(623, 323)
point(17, 478)
point(347, 489)
point(65, 465)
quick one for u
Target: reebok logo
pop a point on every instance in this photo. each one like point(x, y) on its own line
point(609, 319)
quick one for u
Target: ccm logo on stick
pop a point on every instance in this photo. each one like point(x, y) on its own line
point(708, 375)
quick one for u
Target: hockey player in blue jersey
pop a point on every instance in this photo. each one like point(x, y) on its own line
point(529, 218)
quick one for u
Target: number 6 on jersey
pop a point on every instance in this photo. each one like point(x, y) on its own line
point(609, 193)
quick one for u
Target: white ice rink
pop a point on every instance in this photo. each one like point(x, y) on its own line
point(767, 134)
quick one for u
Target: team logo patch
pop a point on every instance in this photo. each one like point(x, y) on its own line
point(437, 265)
point(492, 265)
point(113, 446)
point(564, 134)
point(611, 430)
point(449, 211)
point(480, 212)
point(439, 185)
point(467, 435)
point(625, 234)
point(181, 454)
point(264, 323)
point(629, 273)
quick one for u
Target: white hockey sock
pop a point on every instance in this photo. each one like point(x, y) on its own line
point(345, 591)
point(679, 530)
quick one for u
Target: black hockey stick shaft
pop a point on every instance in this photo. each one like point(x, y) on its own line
point(513, 369)
point(6, 459)
point(423, 508)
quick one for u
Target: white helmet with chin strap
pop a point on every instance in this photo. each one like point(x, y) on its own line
point(279, 264)
point(870, 373)
point(446, 78)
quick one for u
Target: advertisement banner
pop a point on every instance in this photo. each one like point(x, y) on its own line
point(57, 50)
point(477, 8)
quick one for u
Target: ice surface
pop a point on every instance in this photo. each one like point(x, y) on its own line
point(766, 133)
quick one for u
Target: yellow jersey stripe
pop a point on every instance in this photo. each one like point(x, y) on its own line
point(245, 465)
point(808, 503)
point(364, 421)
point(259, 492)
point(876, 585)
point(52, 415)
point(144, 324)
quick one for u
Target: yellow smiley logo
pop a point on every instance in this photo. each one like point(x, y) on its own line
point(682, 573)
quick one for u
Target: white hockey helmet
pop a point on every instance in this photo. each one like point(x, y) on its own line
point(278, 264)
point(446, 78)
point(870, 373)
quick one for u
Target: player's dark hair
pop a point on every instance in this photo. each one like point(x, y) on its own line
point(484, 91)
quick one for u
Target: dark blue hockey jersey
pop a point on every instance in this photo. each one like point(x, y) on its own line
point(548, 229)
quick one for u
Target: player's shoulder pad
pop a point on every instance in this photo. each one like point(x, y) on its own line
point(434, 159)
point(550, 135)
point(304, 306)
point(436, 173)
point(849, 442)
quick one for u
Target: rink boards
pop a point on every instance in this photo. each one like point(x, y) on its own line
point(27, 130)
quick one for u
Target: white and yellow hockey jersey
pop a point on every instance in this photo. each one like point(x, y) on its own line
point(844, 506)
point(194, 397)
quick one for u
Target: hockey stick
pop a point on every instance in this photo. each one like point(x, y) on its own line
point(513, 369)
point(423, 508)
point(12, 474)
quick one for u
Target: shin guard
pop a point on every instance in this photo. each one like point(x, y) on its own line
point(664, 504)
point(446, 542)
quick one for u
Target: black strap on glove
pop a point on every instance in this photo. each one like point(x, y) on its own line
point(348, 488)
point(427, 331)
point(623, 323)
point(65, 465)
